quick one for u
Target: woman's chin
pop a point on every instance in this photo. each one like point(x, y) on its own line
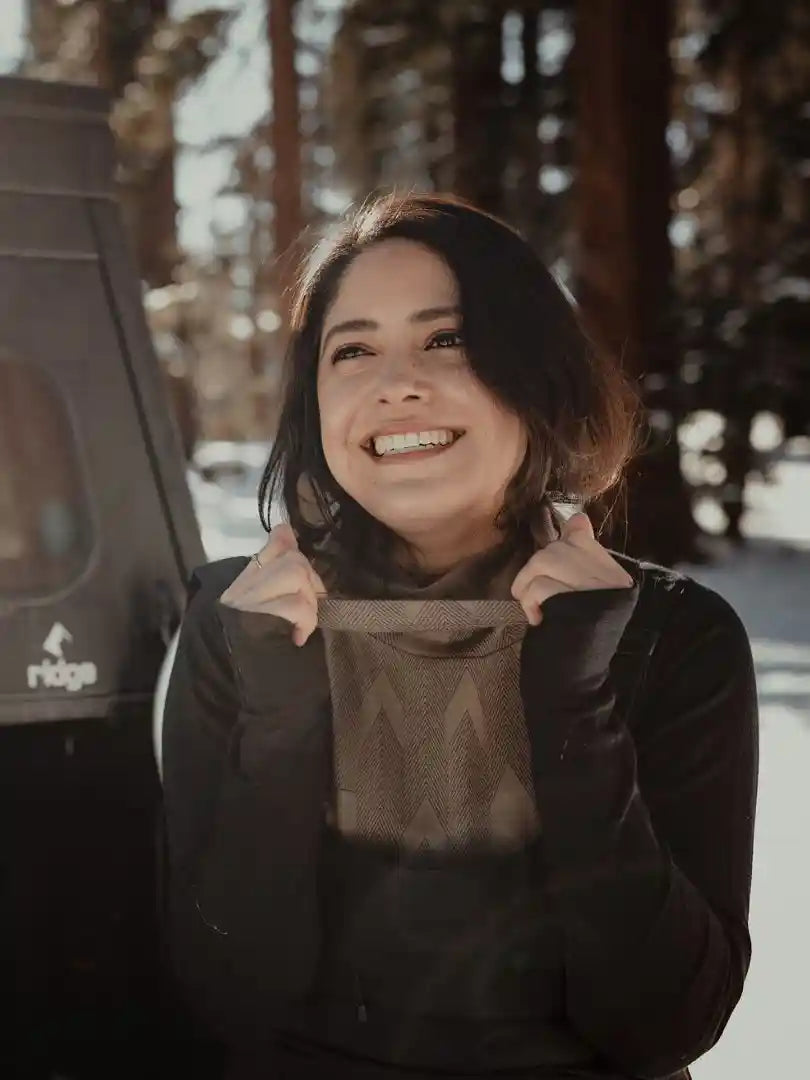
point(428, 523)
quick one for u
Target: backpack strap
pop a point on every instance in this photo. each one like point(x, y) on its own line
point(659, 593)
point(661, 590)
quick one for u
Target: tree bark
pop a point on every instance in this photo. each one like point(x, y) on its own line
point(749, 242)
point(528, 110)
point(154, 225)
point(478, 109)
point(623, 260)
point(286, 134)
point(150, 204)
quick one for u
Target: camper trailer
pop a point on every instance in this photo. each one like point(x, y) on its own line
point(97, 540)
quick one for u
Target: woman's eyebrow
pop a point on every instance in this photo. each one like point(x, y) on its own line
point(350, 325)
point(424, 315)
point(431, 313)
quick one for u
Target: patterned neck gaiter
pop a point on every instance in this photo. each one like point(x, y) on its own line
point(430, 743)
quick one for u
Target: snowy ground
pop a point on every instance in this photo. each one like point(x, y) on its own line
point(769, 585)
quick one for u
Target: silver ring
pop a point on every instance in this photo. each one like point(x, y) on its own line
point(256, 559)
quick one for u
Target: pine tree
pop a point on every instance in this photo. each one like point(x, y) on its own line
point(744, 262)
point(623, 275)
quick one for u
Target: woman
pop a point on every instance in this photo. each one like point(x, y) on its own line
point(450, 788)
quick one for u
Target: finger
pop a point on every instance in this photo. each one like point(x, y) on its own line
point(284, 533)
point(582, 540)
point(291, 573)
point(543, 586)
point(281, 539)
point(525, 575)
point(288, 573)
point(536, 593)
point(577, 559)
point(578, 530)
point(289, 542)
point(558, 560)
point(576, 568)
point(296, 609)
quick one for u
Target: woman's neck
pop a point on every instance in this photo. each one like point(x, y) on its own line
point(435, 553)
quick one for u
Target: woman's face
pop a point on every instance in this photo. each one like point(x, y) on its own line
point(408, 430)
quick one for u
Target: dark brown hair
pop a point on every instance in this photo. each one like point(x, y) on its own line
point(523, 341)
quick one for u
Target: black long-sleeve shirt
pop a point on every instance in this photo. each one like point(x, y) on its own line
point(616, 946)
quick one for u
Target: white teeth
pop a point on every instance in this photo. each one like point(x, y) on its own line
point(410, 441)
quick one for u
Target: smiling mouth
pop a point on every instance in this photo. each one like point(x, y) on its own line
point(416, 442)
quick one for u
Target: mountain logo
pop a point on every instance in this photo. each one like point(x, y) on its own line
point(59, 673)
point(58, 635)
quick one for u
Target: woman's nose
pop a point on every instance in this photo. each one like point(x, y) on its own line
point(402, 379)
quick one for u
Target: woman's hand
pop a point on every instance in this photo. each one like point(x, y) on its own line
point(574, 563)
point(279, 581)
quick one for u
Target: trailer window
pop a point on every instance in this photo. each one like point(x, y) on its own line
point(46, 534)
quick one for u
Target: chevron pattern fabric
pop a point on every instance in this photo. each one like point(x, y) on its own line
point(430, 742)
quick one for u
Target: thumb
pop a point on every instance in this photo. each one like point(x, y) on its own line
point(578, 527)
point(284, 538)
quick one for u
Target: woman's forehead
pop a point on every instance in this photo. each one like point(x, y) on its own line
point(394, 271)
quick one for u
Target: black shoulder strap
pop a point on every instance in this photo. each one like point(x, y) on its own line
point(659, 593)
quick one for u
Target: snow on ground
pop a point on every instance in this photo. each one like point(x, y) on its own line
point(768, 583)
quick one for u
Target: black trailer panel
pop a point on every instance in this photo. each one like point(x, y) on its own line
point(97, 529)
point(97, 539)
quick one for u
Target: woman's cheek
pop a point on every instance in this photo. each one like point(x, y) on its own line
point(337, 449)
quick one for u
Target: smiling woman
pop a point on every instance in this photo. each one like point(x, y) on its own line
point(400, 393)
point(427, 314)
point(451, 789)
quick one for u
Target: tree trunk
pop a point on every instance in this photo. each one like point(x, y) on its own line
point(478, 109)
point(748, 237)
point(154, 223)
point(149, 204)
point(623, 263)
point(286, 134)
point(528, 109)
point(156, 202)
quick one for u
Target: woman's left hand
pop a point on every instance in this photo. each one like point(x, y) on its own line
point(575, 563)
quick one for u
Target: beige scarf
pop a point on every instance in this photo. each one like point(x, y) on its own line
point(430, 741)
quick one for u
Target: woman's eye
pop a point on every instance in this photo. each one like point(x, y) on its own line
point(446, 339)
point(347, 352)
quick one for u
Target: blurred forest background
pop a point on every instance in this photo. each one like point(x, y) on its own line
point(655, 152)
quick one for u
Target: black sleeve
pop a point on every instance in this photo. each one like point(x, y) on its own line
point(246, 758)
point(648, 834)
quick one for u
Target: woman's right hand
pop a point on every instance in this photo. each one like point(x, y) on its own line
point(282, 582)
